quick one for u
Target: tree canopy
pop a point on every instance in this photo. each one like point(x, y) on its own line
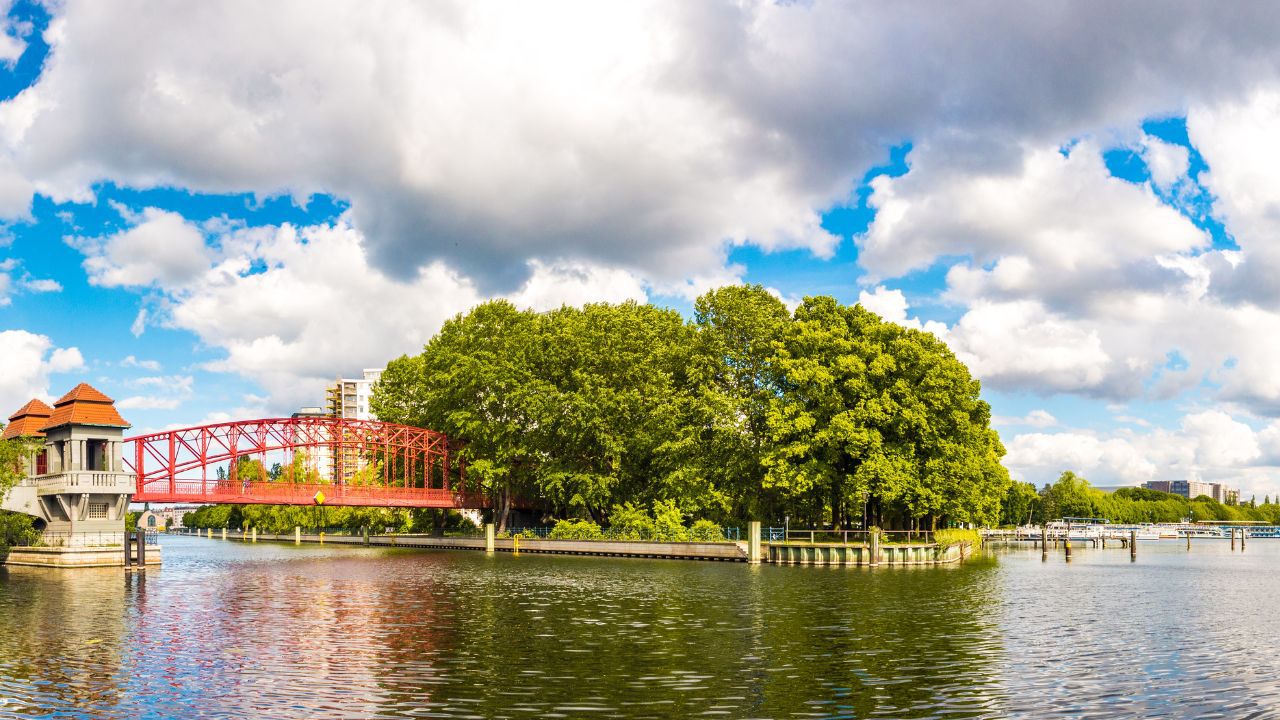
point(827, 414)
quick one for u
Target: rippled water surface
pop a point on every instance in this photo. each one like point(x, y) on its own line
point(228, 629)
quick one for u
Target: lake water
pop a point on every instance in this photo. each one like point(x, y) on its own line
point(231, 630)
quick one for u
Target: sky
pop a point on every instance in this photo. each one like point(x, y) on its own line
point(210, 210)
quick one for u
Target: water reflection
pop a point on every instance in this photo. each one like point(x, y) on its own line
point(237, 630)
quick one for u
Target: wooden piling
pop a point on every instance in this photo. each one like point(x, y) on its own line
point(1133, 545)
point(1188, 539)
point(1044, 542)
point(1233, 539)
point(1066, 543)
point(1243, 532)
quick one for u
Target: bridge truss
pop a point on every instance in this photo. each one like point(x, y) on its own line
point(324, 460)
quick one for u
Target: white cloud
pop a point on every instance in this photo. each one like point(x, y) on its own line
point(1035, 418)
point(26, 361)
point(1020, 344)
point(644, 136)
point(1168, 163)
point(162, 248)
point(892, 306)
point(1050, 225)
point(551, 286)
point(132, 362)
point(291, 308)
point(41, 285)
point(1207, 445)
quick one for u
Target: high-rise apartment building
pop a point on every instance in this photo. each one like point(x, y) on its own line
point(349, 397)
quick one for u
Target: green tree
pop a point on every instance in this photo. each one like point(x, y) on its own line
point(1019, 504)
point(474, 382)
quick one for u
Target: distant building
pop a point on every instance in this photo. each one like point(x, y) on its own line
point(1192, 489)
point(349, 397)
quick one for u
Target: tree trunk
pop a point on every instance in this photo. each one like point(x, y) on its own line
point(504, 507)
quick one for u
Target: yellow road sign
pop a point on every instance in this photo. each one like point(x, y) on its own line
point(319, 498)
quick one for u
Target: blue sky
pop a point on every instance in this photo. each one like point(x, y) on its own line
point(209, 218)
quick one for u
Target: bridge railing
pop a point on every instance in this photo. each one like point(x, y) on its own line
point(282, 493)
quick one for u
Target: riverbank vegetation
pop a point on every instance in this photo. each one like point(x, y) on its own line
point(827, 415)
point(284, 518)
point(1073, 496)
point(16, 529)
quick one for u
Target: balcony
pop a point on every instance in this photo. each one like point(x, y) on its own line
point(86, 481)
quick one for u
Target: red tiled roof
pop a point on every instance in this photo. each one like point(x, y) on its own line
point(84, 405)
point(27, 421)
point(83, 391)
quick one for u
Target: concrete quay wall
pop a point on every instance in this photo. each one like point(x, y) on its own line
point(74, 557)
point(776, 553)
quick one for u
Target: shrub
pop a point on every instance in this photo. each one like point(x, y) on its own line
point(706, 531)
point(668, 522)
point(628, 522)
point(17, 529)
point(576, 530)
point(948, 538)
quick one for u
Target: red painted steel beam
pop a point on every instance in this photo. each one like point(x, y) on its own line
point(161, 460)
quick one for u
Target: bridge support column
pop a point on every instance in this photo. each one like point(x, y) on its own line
point(488, 537)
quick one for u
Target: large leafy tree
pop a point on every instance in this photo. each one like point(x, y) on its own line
point(829, 414)
point(474, 381)
point(608, 378)
point(717, 450)
point(876, 417)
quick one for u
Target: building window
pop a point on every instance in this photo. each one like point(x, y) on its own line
point(42, 462)
point(151, 521)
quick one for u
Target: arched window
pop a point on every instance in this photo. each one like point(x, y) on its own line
point(151, 521)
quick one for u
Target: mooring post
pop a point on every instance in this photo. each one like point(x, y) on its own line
point(1067, 543)
point(224, 533)
point(875, 548)
point(142, 549)
point(1233, 539)
point(297, 535)
point(753, 543)
point(1044, 542)
point(364, 529)
point(488, 537)
point(1243, 532)
point(254, 530)
point(1133, 545)
point(210, 533)
point(1188, 538)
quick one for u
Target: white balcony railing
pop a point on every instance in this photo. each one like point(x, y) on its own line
point(86, 481)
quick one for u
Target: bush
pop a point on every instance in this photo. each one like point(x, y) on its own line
point(668, 522)
point(576, 530)
point(628, 522)
point(17, 529)
point(948, 538)
point(706, 531)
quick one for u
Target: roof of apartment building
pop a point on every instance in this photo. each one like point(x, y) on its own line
point(84, 405)
point(27, 421)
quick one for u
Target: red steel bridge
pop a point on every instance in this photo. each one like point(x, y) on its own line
point(328, 461)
